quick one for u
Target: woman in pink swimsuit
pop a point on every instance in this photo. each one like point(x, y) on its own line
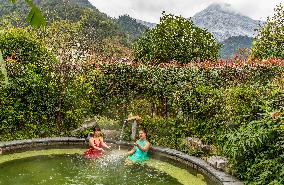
point(96, 144)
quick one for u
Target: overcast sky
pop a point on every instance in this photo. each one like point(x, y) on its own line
point(151, 10)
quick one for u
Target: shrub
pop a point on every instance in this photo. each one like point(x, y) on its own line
point(176, 38)
point(256, 151)
point(270, 40)
point(25, 102)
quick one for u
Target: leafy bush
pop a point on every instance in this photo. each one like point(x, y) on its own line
point(176, 38)
point(25, 102)
point(270, 40)
point(34, 104)
point(256, 151)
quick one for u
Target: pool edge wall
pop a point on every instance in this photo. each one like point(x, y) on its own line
point(70, 142)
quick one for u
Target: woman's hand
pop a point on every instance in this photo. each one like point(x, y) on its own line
point(137, 145)
point(101, 149)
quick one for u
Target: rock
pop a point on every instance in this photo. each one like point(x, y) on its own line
point(196, 143)
point(218, 162)
point(87, 124)
point(111, 134)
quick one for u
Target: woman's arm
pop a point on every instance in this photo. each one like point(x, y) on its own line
point(104, 144)
point(145, 148)
point(131, 152)
point(92, 144)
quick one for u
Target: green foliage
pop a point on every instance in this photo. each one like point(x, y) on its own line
point(176, 38)
point(19, 45)
point(270, 39)
point(209, 101)
point(44, 96)
point(94, 28)
point(51, 92)
point(23, 100)
point(35, 17)
point(256, 151)
point(166, 137)
point(3, 70)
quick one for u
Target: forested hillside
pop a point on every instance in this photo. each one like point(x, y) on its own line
point(232, 44)
point(131, 26)
point(96, 29)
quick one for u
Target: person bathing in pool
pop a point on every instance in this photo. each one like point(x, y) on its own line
point(140, 150)
point(96, 144)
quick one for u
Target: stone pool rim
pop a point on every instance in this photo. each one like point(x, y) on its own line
point(195, 162)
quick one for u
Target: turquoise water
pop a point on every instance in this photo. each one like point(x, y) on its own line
point(68, 167)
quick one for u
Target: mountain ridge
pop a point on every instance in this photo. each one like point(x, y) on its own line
point(223, 22)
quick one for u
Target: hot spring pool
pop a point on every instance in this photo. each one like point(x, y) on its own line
point(68, 167)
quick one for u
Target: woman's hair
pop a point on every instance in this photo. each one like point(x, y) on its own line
point(98, 134)
point(143, 130)
point(96, 128)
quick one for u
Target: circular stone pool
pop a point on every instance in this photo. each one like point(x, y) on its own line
point(60, 162)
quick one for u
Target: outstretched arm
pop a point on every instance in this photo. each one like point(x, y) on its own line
point(104, 144)
point(131, 151)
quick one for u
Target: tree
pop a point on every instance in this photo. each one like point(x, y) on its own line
point(176, 38)
point(35, 18)
point(269, 41)
point(26, 101)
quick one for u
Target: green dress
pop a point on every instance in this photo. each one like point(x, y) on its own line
point(138, 155)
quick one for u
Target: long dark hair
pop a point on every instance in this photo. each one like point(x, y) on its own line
point(96, 128)
point(143, 130)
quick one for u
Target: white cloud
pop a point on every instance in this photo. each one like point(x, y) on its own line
point(151, 10)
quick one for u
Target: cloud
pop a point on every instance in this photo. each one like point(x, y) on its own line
point(151, 10)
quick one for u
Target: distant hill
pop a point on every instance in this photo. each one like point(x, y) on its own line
point(231, 44)
point(52, 9)
point(223, 22)
point(97, 33)
point(130, 26)
point(147, 24)
point(73, 10)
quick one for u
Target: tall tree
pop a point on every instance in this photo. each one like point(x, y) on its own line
point(269, 41)
point(176, 38)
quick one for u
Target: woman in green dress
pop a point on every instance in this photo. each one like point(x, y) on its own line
point(140, 150)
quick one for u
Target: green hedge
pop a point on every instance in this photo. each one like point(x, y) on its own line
point(35, 96)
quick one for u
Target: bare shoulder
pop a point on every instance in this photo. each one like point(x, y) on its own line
point(148, 143)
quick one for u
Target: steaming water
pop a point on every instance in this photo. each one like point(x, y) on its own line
point(68, 167)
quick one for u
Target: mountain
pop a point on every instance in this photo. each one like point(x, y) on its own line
point(223, 22)
point(95, 31)
point(130, 26)
point(51, 9)
point(148, 24)
point(74, 11)
point(232, 44)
